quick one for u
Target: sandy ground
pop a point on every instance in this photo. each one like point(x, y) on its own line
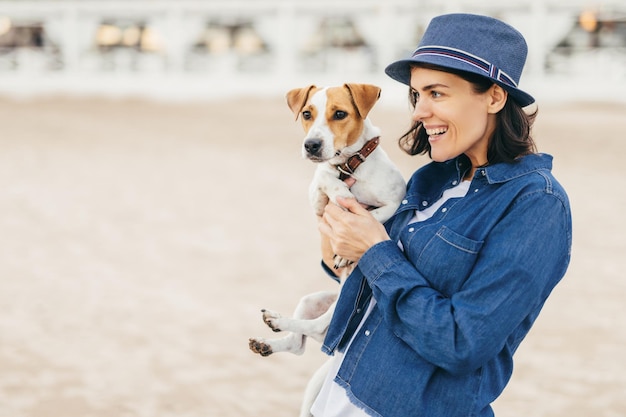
point(139, 240)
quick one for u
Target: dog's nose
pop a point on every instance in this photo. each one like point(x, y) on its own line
point(313, 146)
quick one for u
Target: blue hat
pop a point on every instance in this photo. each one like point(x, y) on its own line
point(472, 43)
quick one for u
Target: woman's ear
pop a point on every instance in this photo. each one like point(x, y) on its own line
point(497, 98)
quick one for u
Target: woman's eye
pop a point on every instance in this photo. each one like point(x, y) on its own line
point(435, 94)
point(340, 115)
point(306, 115)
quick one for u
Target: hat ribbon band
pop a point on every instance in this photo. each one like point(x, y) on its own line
point(488, 68)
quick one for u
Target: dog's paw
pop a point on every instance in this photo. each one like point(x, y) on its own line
point(340, 262)
point(258, 345)
point(271, 318)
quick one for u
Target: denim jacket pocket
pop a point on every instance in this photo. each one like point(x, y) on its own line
point(447, 260)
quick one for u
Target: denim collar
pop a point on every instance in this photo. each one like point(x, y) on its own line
point(500, 173)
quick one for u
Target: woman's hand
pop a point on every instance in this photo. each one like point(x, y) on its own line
point(350, 229)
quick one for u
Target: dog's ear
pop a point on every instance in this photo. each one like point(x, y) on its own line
point(364, 97)
point(296, 98)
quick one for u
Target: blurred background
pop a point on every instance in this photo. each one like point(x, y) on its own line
point(210, 48)
point(153, 198)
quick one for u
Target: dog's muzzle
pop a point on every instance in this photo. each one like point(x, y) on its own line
point(313, 147)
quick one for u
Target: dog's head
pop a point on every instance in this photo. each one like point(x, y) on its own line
point(334, 118)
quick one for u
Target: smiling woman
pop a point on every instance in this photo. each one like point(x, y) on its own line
point(428, 322)
point(504, 137)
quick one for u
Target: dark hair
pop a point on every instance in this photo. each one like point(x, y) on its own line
point(511, 137)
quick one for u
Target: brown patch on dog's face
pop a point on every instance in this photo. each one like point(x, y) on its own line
point(309, 113)
point(299, 97)
point(342, 117)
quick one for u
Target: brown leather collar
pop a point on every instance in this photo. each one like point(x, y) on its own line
point(347, 169)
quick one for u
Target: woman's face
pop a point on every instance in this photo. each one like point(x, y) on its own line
point(457, 120)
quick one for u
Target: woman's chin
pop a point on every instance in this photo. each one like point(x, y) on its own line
point(441, 156)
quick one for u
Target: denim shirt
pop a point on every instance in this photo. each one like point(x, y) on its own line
point(452, 308)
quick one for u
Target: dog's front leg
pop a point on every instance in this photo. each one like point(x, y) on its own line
point(318, 199)
point(337, 188)
point(384, 212)
point(326, 186)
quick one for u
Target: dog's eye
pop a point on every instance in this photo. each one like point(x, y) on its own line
point(340, 115)
point(306, 115)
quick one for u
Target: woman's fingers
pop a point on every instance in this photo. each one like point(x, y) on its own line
point(350, 228)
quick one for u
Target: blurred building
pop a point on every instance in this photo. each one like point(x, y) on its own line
point(74, 44)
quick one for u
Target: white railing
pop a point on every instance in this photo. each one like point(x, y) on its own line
point(276, 39)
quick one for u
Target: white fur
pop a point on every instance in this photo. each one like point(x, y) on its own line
point(378, 184)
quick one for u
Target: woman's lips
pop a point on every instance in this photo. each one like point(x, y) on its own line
point(435, 133)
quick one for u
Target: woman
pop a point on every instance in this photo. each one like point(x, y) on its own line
point(444, 293)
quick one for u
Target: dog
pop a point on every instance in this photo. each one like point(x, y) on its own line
point(343, 142)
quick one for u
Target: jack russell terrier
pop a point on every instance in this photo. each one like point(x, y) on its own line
point(345, 144)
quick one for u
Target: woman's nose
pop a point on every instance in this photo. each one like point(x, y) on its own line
point(421, 111)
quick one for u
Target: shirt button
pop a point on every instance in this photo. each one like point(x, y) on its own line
point(443, 210)
point(358, 311)
point(476, 190)
point(424, 203)
point(405, 201)
point(367, 333)
point(454, 182)
point(483, 173)
point(411, 229)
